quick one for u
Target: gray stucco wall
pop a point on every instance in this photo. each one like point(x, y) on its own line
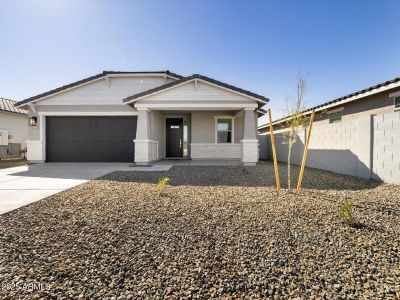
point(157, 131)
point(203, 126)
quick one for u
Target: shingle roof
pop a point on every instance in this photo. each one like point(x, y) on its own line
point(100, 75)
point(8, 106)
point(371, 88)
point(194, 76)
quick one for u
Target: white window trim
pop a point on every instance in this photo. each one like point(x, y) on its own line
point(341, 117)
point(394, 102)
point(395, 94)
point(216, 129)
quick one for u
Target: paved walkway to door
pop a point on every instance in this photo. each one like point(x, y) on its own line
point(20, 186)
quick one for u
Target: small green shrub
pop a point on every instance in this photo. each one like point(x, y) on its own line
point(162, 185)
point(346, 212)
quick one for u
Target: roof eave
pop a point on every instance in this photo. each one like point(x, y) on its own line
point(87, 80)
point(392, 84)
point(185, 80)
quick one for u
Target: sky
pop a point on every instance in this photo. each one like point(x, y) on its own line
point(338, 46)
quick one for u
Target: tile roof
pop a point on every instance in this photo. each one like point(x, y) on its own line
point(8, 106)
point(88, 79)
point(371, 88)
point(194, 76)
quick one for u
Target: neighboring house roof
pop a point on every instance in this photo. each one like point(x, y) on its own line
point(91, 78)
point(348, 98)
point(155, 90)
point(8, 106)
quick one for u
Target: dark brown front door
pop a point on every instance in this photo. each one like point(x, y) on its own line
point(174, 137)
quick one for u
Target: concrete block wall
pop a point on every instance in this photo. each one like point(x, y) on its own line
point(282, 148)
point(265, 146)
point(386, 147)
point(366, 147)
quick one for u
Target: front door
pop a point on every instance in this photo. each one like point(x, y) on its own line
point(174, 139)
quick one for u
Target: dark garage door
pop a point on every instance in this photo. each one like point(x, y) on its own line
point(90, 139)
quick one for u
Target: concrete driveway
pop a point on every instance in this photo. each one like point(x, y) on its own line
point(20, 186)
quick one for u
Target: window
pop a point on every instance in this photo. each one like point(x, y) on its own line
point(224, 130)
point(397, 102)
point(335, 117)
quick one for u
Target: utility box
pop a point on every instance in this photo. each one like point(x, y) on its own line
point(3, 137)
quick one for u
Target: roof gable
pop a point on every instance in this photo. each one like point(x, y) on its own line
point(198, 82)
point(94, 78)
point(7, 105)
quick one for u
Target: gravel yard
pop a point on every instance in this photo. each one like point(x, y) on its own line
point(216, 232)
point(10, 163)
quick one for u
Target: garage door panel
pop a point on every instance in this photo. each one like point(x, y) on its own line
point(90, 139)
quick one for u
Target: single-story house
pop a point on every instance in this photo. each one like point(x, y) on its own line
point(143, 117)
point(13, 129)
point(357, 134)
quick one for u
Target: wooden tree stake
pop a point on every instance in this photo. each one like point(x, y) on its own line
point(271, 130)
point(303, 163)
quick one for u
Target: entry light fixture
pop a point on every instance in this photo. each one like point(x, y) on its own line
point(33, 121)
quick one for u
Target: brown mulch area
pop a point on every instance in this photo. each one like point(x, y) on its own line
point(10, 163)
point(216, 232)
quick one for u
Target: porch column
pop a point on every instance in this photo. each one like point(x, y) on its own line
point(143, 140)
point(143, 124)
point(249, 142)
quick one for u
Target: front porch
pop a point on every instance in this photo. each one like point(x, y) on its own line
point(196, 118)
point(196, 137)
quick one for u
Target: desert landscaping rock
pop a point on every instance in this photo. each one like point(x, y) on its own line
point(10, 163)
point(216, 232)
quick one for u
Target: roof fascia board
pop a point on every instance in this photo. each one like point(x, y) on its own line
point(142, 75)
point(63, 91)
point(13, 113)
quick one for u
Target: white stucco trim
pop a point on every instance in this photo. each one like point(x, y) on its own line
point(38, 153)
point(146, 151)
point(249, 141)
point(249, 151)
point(35, 151)
point(89, 113)
point(195, 106)
point(395, 96)
point(216, 118)
point(33, 107)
